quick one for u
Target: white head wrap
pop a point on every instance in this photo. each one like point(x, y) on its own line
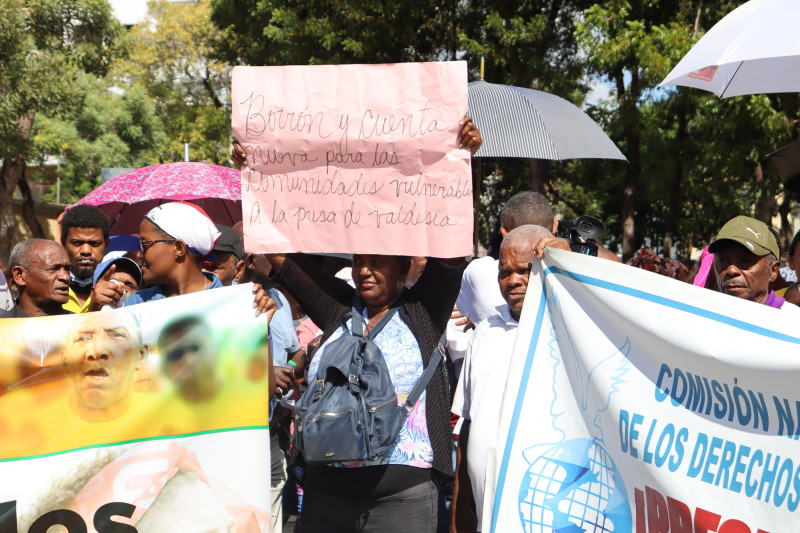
point(186, 222)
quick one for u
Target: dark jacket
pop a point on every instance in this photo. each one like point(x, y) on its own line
point(17, 312)
point(14, 312)
point(425, 309)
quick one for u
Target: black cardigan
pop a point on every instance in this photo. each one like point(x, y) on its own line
point(426, 308)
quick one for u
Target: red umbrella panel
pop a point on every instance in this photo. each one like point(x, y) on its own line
point(127, 198)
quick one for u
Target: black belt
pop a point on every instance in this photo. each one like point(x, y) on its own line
point(366, 482)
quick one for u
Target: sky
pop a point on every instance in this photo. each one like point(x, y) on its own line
point(129, 12)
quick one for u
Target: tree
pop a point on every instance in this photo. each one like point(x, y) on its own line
point(169, 59)
point(633, 44)
point(728, 174)
point(693, 161)
point(704, 159)
point(527, 44)
point(281, 32)
point(102, 129)
point(45, 46)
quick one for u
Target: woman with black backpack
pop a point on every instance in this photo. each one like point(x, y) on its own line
point(396, 491)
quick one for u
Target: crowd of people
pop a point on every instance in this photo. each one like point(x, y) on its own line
point(432, 478)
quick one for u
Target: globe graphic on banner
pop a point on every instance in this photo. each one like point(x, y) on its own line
point(573, 487)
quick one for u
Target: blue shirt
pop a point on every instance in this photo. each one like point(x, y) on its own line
point(282, 335)
point(6, 302)
point(155, 293)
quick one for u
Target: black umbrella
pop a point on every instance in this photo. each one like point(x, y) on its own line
point(520, 122)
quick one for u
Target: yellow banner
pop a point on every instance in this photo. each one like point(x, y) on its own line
point(179, 366)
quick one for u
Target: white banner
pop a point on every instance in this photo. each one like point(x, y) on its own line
point(150, 418)
point(639, 403)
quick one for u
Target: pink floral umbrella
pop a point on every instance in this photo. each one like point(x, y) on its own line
point(128, 197)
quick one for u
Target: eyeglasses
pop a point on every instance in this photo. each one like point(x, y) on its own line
point(145, 245)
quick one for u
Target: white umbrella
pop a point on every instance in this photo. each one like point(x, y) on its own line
point(753, 50)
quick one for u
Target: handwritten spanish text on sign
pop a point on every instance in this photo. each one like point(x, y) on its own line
point(354, 158)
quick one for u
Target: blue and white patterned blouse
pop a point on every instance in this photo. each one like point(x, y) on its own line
point(401, 352)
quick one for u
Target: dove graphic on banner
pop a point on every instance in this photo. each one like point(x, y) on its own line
point(573, 486)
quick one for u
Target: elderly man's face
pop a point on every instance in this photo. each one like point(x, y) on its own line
point(101, 357)
point(46, 281)
point(221, 264)
point(126, 281)
point(742, 273)
point(513, 272)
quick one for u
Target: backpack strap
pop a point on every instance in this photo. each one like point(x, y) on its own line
point(358, 322)
point(355, 312)
point(427, 374)
point(385, 320)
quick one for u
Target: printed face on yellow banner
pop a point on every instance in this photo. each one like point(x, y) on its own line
point(178, 366)
point(101, 358)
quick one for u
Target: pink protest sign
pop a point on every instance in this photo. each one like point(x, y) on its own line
point(354, 158)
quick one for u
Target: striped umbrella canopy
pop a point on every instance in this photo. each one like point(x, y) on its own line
point(519, 122)
point(128, 197)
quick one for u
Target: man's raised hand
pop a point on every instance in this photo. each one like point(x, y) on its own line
point(106, 291)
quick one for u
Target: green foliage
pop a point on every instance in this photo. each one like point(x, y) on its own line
point(736, 135)
point(56, 54)
point(104, 129)
point(46, 47)
point(645, 39)
point(104, 97)
point(15, 44)
point(46, 44)
point(281, 32)
point(83, 32)
point(695, 154)
point(169, 59)
point(529, 44)
point(704, 170)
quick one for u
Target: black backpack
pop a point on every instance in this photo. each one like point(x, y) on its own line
point(350, 412)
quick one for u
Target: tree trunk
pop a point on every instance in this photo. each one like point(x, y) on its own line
point(766, 202)
point(786, 227)
point(7, 184)
point(675, 186)
point(12, 171)
point(697, 20)
point(630, 117)
point(29, 208)
point(789, 105)
point(209, 88)
point(539, 171)
point(672, 213)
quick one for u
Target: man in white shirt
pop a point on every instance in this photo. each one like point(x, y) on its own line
point(483, 376)
point(480, 296)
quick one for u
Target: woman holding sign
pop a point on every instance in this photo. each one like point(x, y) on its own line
point(396, 491)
